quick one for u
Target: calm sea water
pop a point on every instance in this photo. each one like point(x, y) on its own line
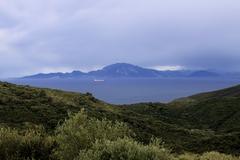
point(125, 91)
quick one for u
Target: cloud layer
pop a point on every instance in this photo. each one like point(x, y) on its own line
point(53, 35)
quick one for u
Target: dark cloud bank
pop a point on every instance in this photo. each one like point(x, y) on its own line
point(60, 35)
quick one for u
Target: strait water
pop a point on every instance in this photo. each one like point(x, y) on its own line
point(125, 91)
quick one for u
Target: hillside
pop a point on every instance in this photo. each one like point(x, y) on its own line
point(199, 123)
point(218, 110)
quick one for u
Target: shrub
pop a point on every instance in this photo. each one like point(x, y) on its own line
point(10, 142)
point(208, 156)
point(80, 132)
point(30, 144)
point(217, 156)
point(125, 149)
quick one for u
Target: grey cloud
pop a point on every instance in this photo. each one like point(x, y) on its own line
point(76, 34)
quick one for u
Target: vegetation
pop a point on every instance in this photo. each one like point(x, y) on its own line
point(200, 127)
point(207, 156)
point(80, 133)
point(29, 144)
point(85, 138)
point(126, 149)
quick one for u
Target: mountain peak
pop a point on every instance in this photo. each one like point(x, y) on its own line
point(120, 65)
point(124, 70)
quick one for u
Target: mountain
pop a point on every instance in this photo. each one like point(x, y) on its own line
point(74, 74)
point(124, 70)
point(199, 123)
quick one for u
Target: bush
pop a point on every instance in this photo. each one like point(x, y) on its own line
point(217, 156)
point(125, 149)
point(80, 132)
point(10, 142)
point(208, 156)
point(30, 144)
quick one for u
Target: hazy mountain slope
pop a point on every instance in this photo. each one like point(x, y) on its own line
point(195, 126)
point(74, 74)
point(125, 70)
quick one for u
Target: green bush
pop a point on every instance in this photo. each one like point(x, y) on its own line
point(10, 142)
point(217, 156)
point(125, 149)
point(208, 156)
point(80, 132)
point(30, 144)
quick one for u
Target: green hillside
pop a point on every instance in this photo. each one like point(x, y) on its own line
point(200, 123)
point(218, 111)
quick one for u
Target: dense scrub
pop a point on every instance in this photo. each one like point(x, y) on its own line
point(25, 145)
point(126, 149)
point(207, 156)
point(197, 124)
point(80, 132)
point(85, 138)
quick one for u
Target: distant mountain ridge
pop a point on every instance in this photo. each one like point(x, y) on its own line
point(74, 74)
point(125, 70)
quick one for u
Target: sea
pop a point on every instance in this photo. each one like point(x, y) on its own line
point(134, 90)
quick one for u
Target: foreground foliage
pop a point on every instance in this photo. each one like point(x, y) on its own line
point(208, 156)
point(198, 124)
point(80, 132)
point(25, 145)
point(125, 149)
point(85, 138)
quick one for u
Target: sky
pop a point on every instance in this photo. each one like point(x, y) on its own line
point(64, 35)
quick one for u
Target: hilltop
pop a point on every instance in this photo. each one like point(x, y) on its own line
point(199, 123)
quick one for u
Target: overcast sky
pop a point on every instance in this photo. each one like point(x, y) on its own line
point(64, 35)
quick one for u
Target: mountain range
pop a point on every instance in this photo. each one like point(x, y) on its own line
point(124, 70)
